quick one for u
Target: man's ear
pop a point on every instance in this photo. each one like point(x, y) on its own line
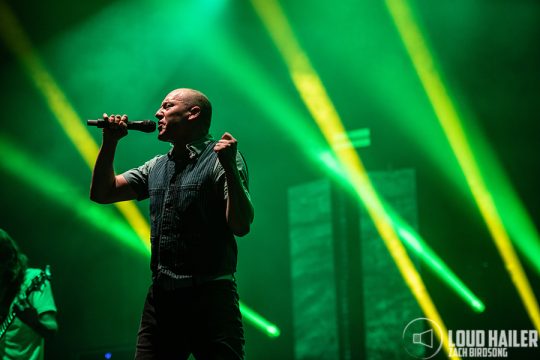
point(194, 113)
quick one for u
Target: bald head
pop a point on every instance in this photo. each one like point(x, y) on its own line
point(192, 97)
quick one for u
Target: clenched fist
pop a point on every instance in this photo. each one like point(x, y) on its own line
point(226, 151)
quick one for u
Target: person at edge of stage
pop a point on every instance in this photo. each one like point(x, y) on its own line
point(199, 202)
point(35, 319)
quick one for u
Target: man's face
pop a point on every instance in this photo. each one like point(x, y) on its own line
point(172, 116)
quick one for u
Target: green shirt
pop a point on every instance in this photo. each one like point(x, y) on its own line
point(21, 342)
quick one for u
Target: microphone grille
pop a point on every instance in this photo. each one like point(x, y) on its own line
point(149, 126)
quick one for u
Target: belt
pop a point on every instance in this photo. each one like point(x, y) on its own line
point(168, 283)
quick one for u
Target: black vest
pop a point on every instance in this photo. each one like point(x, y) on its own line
point(189, 231)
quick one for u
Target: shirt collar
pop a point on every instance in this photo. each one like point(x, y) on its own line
point(195, 148)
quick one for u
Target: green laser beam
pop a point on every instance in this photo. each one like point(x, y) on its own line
point(413, 241)
point(452, 123)
point(57, 189)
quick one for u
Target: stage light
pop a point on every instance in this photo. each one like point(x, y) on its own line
point(452, 124)
point(17, 41)
point(23, 166)
point(413, 241)
point(314, 95)
point(259, 322)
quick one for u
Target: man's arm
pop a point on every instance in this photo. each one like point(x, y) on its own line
point(48, 323)
point(38, 311)
point(106, 186)
point(44, 324)
point(239, 210)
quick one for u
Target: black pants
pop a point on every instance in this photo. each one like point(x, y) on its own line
point(203, 319)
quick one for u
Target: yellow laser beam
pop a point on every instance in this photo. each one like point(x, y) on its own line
point(14, 36)
point(313, 93)
point(451, 122)
point(17, 41)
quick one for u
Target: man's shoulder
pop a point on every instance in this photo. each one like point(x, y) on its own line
point(159, 157)
point(155, 160)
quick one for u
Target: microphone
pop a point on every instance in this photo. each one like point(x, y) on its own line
point(146, 126)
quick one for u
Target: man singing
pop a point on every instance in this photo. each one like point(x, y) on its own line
point(199, 201)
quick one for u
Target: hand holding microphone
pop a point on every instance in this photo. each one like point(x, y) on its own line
point(114, 126)
point(118, 125)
